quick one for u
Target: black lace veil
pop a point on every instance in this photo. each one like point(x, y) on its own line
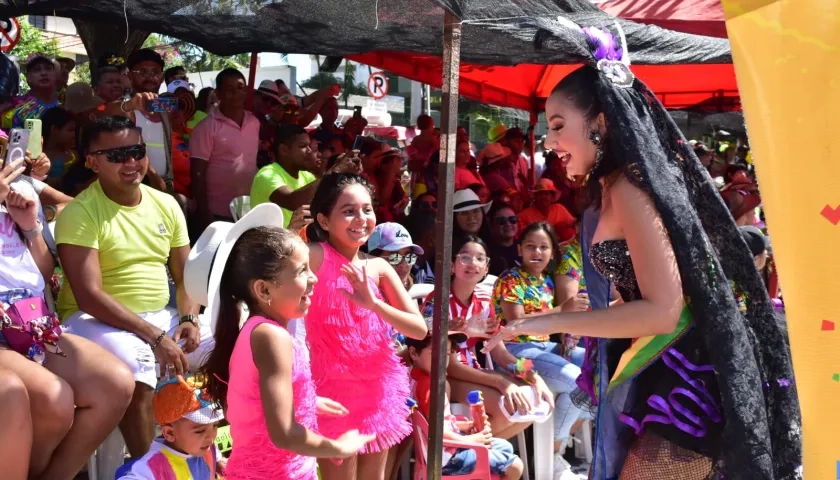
point(748, 349)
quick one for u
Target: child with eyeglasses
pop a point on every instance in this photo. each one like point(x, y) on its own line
point(392, 242)
point(471, 313)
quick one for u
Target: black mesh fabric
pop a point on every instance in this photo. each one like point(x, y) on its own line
point(749, 350)
point(494, 31)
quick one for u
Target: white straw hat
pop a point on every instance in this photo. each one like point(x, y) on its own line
point(466, 200)
point(207, 259)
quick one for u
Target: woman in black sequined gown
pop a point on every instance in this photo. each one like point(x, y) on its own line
point(696, 371)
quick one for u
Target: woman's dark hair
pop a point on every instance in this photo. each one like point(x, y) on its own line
point(326, 196)
point(549, 230)
point(54, 118)
point(259, 254)
point(9, 78)
point(203, 98)
point(580, 88)
point(457, 231)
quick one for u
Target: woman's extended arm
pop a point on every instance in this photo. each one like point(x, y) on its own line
point(656, 271)
point(398, 309)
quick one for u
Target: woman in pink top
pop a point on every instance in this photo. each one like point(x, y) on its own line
point(356, 301)
point(252, 371)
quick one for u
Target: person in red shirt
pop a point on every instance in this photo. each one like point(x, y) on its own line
point(546, 209)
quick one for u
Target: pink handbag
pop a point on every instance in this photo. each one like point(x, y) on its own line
point(31, 329)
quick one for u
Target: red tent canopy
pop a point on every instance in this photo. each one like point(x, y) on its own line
point(527, 86)
point(700, 17)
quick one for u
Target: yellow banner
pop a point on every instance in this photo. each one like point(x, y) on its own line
point(787, 59)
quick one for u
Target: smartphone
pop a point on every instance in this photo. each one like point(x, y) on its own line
point(18, 143)
point(162, 104)
point(34, 146)
point(358, 142)
point(357, 112)
point(4, 145)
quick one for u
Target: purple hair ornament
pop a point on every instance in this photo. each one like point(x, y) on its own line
point(611, 55)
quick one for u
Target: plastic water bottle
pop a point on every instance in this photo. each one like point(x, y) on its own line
point(479, 414)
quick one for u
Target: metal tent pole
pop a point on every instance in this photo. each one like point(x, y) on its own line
point(443, 250)
point(252, 79)
point(532, 126)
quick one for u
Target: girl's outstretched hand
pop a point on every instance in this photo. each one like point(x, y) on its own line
point(330, 407)
point(362, 295)
point(352, 442)
point(506, 333)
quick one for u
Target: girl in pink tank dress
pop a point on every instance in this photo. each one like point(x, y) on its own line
point(357, 299)
point(260, 373)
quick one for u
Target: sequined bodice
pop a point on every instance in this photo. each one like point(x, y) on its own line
point(612, 259)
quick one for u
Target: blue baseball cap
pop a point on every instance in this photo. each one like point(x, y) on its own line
point(391, 237)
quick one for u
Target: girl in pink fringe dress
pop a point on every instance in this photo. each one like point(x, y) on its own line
point(356, 301)
point(261, 373)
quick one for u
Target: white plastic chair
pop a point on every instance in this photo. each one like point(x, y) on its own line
point(239, 206)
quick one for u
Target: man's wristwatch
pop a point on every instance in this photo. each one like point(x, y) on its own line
point(191, 318)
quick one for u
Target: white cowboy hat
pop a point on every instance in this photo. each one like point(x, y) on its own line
point(207, 259)
point(466, 200)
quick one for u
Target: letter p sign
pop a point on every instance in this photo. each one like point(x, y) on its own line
point(378, 85)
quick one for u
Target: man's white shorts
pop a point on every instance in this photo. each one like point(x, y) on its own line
point(133, 350)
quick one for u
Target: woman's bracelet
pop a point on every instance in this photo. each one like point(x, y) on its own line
point(157, 342)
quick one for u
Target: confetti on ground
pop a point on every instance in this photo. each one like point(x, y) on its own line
point(836, 377)
point(831, 214)
point(827, 325)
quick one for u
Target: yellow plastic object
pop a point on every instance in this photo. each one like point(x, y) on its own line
point(224, 440)
point(785, 54)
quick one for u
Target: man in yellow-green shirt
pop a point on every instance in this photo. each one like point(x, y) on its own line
point(291, 180)
point(116, 241)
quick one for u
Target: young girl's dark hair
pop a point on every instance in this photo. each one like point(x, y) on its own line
point(549, 230)
point(461, 241)
point(326, 196)
point(259, 254)
point(201, 103)
point(54, 118)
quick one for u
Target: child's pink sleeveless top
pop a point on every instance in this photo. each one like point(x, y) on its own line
point(354, 362)
point(254, 456)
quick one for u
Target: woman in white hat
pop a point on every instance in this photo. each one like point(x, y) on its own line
point(469, 212)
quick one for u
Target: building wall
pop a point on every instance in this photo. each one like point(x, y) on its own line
point(64, 32)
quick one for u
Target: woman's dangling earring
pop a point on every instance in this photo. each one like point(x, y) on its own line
point(596, 139)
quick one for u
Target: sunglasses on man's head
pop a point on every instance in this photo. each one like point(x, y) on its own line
point(513, 220)
point(122, 154)
point(396, 258)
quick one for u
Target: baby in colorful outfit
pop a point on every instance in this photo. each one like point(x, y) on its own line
point(187, 449)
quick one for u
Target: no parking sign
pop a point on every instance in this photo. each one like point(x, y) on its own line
point(378, 85)
point(9, 33)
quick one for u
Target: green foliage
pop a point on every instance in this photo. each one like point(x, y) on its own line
point(192, 57)
point(325, 79)
point(31, 41)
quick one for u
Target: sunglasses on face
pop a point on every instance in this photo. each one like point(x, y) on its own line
point(396, 258)
point(513, 220)
point(122, 154)
point(428, 205)
point(148, 73)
